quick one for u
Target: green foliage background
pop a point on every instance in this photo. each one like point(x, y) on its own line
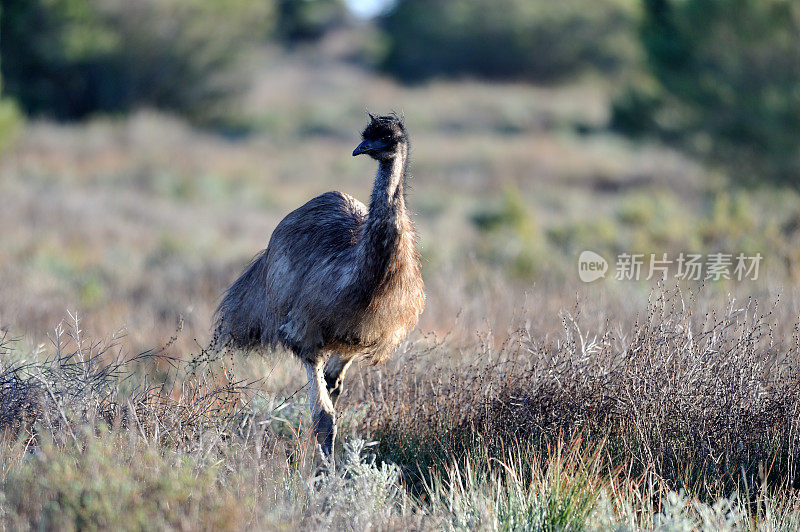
point(9, 115)
point(535, 40)
point(722, 82)
point(718, 79)
point(304, 20)
point(69, 58)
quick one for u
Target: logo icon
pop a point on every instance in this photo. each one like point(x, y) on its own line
point(591, 266)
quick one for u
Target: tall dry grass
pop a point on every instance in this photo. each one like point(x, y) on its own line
point(703, 398)
point(681, 417)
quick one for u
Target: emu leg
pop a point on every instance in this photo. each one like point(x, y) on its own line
point(323, 414)
point(335, 369)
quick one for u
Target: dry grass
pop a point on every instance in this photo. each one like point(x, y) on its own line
point(703, 398)
point(525, 399)
point(542, 430)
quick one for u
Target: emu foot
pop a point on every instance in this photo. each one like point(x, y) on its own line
point(325, 431)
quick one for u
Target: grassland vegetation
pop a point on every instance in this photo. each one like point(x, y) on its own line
point(525, 399)
point(683, 417)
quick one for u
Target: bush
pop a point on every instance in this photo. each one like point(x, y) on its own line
point(308, 20)
point(9, 116)
point(110, 483)
point(70, 58)
point(9, 122)
point(722, 84)
point(536, 40)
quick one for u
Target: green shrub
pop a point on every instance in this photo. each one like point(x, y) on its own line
point(9, 122)
point(535, 40)
point(112, 483)
point(722, 84)
point(70, 58)
point(9, 117)
point(308, 20)
point(511, 235)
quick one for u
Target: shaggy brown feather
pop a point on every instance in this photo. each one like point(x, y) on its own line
point(336, 277)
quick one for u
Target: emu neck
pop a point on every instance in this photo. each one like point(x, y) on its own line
point(387, 217)
point(387, 194)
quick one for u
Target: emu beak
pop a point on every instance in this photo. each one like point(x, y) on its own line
point(361, 148)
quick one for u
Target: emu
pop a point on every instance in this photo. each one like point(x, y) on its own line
point(337, 282)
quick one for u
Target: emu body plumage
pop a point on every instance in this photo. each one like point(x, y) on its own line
point(337, 281)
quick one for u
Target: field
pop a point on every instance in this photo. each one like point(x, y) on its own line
point(525, 399)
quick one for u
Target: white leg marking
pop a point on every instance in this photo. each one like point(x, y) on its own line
point(313, 388)
point(317, 390)
point(322, 413)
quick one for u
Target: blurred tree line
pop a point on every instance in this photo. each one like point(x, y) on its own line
point(69, 58)
point(533, 40)
point(717, 78)
point(308, 20)
point(722, 82)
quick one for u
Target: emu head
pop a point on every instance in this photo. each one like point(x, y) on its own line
point(381, 137)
